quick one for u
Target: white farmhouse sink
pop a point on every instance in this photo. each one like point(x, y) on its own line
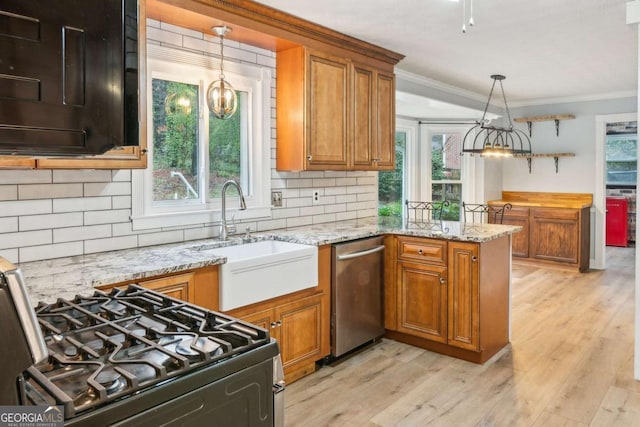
point(258, 271)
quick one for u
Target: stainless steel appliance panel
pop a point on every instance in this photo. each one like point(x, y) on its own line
point(357, 313)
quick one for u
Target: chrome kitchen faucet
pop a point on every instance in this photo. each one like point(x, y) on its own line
point(224, 230)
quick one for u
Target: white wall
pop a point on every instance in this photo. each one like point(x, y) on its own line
point(48, 214)
point(575, 174)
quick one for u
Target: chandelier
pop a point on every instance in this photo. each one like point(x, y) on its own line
point(495, 141)
point(221, 97)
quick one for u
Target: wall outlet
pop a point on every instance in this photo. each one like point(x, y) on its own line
point(276, 198)
point(315, 197)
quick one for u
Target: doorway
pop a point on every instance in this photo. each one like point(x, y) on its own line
point(600, 194)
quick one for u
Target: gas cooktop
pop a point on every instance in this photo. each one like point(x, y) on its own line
point(108, 346)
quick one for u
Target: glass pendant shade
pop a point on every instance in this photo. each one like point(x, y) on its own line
point(221, 96)
point(222, 99)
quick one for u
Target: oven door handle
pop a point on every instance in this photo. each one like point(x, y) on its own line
point(359, 254)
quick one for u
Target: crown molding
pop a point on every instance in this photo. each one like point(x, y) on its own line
point(434, 84)
point(578, 98)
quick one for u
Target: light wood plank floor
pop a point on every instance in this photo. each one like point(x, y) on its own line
point(570, 363)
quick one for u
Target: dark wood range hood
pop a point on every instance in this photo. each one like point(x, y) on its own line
point(68, 77)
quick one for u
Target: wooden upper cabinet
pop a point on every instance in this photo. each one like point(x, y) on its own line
point(311, 110)
point(385, 146)
point(333, 113)
point(373, 119)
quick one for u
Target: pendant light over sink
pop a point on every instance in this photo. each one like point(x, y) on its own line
point(495, 141)
point(221, 96)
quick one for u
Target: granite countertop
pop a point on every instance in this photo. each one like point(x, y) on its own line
point(67, 277)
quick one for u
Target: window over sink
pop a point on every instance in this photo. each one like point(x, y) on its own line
point(192, 152)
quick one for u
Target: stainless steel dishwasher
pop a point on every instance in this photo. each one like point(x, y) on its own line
point(357, 313)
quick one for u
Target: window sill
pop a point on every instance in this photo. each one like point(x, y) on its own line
point(176, 219)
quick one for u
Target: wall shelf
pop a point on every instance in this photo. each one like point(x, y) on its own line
point(555, 117)
point(555, 156)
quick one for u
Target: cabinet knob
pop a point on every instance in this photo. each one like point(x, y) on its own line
point(420, 252)
point(442, 280)
point(273, 325)
point(375, 160)
point(474, 258)
point(278, 323)
point(309, 157)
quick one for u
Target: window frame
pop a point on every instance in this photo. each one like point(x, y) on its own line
point(256, 80)
point(426, 135)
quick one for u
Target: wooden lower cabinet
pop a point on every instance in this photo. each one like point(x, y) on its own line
point(179, 287)
point(199, 286)
point(555, 233)
point(298, 327)
point(457, 303)
point(519, 241)
point(422, 300)
point(463, 296)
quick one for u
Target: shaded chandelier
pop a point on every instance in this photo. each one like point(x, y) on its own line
point(221, 96)
point(496, 141)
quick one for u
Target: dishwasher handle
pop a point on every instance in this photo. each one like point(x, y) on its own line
point(361, 253)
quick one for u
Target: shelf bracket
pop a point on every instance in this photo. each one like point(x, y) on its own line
point(529, 164)
point(530, 125)
point(555, 159)
point(557, 127)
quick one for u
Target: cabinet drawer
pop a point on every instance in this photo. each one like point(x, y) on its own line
point(555, 213)
point(422, 250)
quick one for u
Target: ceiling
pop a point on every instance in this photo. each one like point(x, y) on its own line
point(549, 50)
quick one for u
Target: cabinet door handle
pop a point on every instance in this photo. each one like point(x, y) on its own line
point(273, 325)
point(309, 157)
point(442, 280)
point(376, 160)
point(474, 258)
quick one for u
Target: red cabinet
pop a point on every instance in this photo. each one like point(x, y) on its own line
point(616, 221)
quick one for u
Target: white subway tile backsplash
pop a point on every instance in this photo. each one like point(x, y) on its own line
point(121, 175)
point(272, 224)
point(81, 204)
point(324, 182)
point(297, 202)
point(8, 192)
point(285, 213)
point(25, 207)
point(24, 238)
point(160, 238)
point(299, 221)
point(10, 176)
point(48, 191)
point(200, 233)
point(126, 229)
point(11, 255)
point(312, 210)
point(347, 198)
point(50, 221)
point(319, 219)
point(332, 191)
point(8, 224)
point(81, 175)
point(121, 202)
point(179, 30)
point(34, 253)
point(299, 183)
point(70, 234)
point(107, 189)
point(110, 244)
point(346, 181)
point(164, 37)
point(340, 207)
point(107, 217)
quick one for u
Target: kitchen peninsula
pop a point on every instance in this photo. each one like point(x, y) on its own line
point(446, 284)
